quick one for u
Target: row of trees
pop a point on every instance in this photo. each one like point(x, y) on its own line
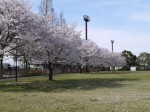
point(142, 61)
point(47, 38)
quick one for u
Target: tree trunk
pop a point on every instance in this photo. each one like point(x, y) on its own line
point(80, 69)
point(26, 68)
point(63, 69)
point(71, 71)
point(99, 69)
point(86, 69)
point(1, 67)
point(50, 71)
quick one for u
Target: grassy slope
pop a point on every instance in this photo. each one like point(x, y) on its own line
point(104, 92)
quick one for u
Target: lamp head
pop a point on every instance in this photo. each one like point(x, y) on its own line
point(86, 18)
point(112, 41)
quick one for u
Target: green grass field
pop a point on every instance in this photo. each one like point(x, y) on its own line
point(97, 92)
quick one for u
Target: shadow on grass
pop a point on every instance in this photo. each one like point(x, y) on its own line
point(63, 85)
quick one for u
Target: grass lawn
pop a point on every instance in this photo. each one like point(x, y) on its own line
point(99, 92)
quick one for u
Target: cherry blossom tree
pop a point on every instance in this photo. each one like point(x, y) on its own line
point(16, 20)
point(56, 42)
point(88, 50)
point(61, 47)
point(116, 60)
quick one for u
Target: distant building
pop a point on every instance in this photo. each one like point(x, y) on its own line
point(6, 65)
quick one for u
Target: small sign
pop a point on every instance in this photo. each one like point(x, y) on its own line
point(132, 68)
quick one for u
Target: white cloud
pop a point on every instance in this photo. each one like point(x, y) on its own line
point(142, 17)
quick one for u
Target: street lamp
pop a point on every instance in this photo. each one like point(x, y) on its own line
point(112, 42)
point(86, 19)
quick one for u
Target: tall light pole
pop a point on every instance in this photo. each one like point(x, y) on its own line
point(86, 19)
point(112, 42)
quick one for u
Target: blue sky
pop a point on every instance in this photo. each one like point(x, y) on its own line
point(127, 22)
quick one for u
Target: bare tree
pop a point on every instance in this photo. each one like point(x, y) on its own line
point(46, 7)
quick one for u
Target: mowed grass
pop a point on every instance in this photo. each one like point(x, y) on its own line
point(94, 92)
